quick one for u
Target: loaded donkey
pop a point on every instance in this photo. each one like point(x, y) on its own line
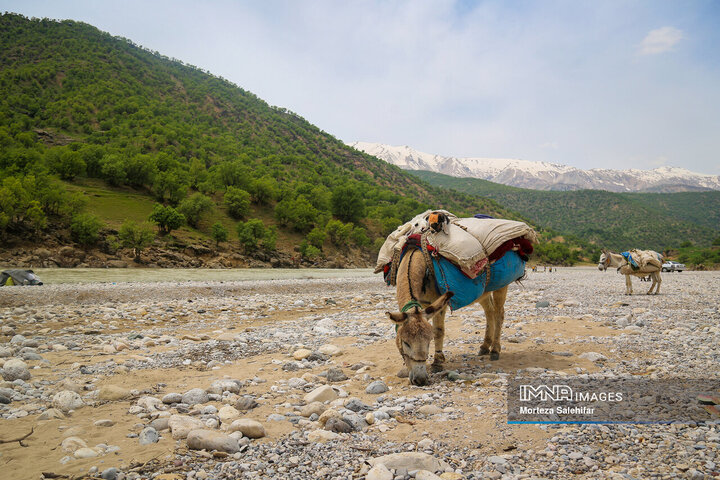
point(425, 289)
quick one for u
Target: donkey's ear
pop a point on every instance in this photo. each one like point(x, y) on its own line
point(439, 304)
point(398, 318)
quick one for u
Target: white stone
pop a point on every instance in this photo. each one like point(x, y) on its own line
point(593, 356)
point(15, 369)
point(425, 475)
point(411, 461)
point(321, 436)
point(67, 400)
point(71, 444)
point(330, 350)
point(212, 440)
point(181, 425)
point(323, 393)
point(228, 413)
point(379, 472)
point(249, 428)
point(301, 353)
point(85, 453)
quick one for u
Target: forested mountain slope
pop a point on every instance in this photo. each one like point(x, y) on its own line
point(78, 107)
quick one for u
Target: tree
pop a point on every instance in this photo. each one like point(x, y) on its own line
point(112, 169)
point(252, 232)
point(348, 204)
point(167, 218)
point(316, 237)
point(194, 207)
point(338, 232)
point(298, 213)
point(140, 170)
point(69, 164)
point(136, 236)
point(170, 185)
point(264, 190)
point(237, 202)
point(35, 215)
point(309, 251)
point(85, 228)
point(219, 233)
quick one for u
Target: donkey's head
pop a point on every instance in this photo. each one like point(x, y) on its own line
point(413, 337)
point(604, 261)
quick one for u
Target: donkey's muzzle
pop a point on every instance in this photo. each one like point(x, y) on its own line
point(419, 375)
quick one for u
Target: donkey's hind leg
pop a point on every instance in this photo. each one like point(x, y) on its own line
point(656, 281)
point(628, 285)
point(487, 303)
point(499, 297)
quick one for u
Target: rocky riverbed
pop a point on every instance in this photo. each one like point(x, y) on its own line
point(296, 379)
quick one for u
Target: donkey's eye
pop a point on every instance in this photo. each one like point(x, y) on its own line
point(406, 345)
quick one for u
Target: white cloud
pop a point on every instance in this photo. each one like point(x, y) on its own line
point(660, 40)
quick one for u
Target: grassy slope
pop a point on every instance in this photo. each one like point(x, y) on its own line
point(619, 221)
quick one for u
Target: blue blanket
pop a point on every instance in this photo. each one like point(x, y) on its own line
point(504, 271)
point(630, 260)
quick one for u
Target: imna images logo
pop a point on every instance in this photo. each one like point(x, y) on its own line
point(544, 393)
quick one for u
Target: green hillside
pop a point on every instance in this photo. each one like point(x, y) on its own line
point(96, 124)
point(658, 221)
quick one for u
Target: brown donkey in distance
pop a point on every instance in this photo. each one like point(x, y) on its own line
point(420, 301)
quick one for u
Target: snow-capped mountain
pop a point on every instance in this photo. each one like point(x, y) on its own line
point(543, 175)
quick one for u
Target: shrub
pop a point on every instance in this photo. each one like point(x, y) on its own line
point(252, 232)
point(316, 237)
point(136, 236)
point(194, 207)
point(85, 228)
point(359, 237)
point(339, 232)
point(167, 218)
point(309, 251)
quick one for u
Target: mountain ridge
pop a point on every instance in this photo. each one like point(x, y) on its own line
point(544, 175)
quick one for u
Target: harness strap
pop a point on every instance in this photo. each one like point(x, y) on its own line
point(411, 304)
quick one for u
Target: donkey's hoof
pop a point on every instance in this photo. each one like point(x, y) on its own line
point(436, 367)
point(495, 356)
point(403, 373)
point(484, 350)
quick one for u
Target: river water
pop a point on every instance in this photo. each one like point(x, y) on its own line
point(122, 275)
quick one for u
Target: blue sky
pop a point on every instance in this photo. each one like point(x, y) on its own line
point(599, 84)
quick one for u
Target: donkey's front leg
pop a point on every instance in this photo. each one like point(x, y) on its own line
point(628, 285)
point(439, 335)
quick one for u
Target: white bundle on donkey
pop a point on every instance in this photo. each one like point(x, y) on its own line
point(438, 260)
point(467, 242)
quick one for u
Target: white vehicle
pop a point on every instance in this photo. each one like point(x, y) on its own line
point(671, 266)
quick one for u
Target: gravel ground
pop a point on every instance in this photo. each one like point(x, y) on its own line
point(296, 379)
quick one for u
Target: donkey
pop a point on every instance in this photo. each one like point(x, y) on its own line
point(420, 302)
point(609, 259)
